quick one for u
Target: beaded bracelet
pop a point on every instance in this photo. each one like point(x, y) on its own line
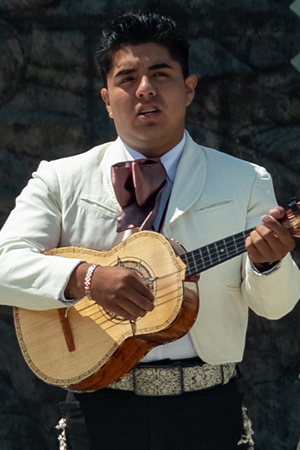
point(88, 280)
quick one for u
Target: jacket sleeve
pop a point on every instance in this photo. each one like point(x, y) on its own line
point(275, 294)
point(28, 278)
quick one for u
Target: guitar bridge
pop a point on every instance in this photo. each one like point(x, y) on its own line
point(65, 324)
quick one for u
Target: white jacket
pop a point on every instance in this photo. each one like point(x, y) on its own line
point(71, 202)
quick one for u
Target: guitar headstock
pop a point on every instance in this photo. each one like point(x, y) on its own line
point(291, 220)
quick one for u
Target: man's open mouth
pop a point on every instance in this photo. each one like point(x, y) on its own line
point(146, 111)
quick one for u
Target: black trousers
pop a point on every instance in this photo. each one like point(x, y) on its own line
point(109, 419)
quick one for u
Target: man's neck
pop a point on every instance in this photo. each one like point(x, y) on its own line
point(170, 159)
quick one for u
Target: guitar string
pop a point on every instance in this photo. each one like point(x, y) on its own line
point(157, 298)
point(200, 261)
point(205, 260)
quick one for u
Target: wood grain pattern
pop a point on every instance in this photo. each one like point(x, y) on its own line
point(106, 348)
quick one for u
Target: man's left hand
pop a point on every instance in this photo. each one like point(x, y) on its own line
point(269, 241)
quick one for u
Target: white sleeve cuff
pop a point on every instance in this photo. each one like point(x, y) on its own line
point(266, 272)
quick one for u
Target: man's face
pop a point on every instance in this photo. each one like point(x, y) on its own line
point(147, 96)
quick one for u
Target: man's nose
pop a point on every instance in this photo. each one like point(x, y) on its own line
point(145, 88)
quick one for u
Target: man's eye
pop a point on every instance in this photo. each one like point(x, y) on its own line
point(126, 80)
point(160, 74)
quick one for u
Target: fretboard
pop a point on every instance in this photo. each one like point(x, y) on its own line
point(213, 254)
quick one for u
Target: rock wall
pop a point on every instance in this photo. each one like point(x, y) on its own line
point(247, 104)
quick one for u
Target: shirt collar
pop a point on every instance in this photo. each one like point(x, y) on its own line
point(170, 159)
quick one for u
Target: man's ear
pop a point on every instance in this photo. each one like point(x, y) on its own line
point(190, 86)
point(105, 98)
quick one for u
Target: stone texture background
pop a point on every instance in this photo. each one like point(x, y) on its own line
point(247, 104)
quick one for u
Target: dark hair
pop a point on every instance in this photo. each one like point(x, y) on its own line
point(141, 28)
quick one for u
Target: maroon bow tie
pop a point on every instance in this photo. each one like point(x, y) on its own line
point(138, 187)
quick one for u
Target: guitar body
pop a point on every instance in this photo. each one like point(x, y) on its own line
point(105, 348)
point(83, 348)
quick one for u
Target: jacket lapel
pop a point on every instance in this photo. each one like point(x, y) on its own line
point(189, 181)
point(114, 154)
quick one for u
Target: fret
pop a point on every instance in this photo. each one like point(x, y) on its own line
point(211, 255)
point(194, 261)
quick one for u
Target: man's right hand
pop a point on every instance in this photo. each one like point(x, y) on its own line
point(116, 289)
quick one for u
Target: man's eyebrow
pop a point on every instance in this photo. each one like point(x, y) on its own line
point(124, 72)
point(160, 66)
point(129, 71)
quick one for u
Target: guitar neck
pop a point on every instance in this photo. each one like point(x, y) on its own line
point(211, 255)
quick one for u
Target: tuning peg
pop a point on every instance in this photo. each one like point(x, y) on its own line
point(293, 204)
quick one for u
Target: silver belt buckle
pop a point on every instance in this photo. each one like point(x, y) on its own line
point(151, 380)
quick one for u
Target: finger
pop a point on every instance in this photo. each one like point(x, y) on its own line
point(134, 309)
point(279, 231)
point(142, 300)
point(268, 234)
point(131, 305)
point(122, 292)
point(120, 281)
point(278, 212)
point(140, 286)
point(130, 296)
point(258, 248)
point(126, 308)
point(121, 314)
point(263, 245)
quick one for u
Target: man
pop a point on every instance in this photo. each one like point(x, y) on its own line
point(208, 195)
